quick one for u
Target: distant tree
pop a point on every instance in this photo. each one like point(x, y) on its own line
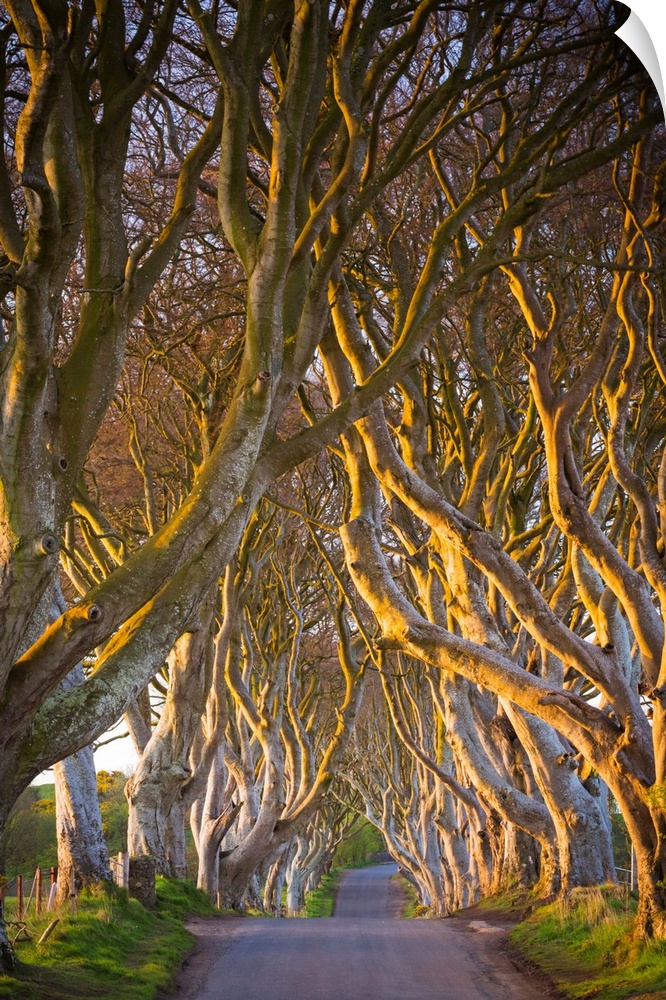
point(113, 806)
point(31, 834)
point(359, 845)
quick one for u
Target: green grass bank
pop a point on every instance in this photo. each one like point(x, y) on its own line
point(586, 945)
point(111, 949)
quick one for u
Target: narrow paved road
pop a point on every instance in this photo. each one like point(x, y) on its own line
point(358, 954)
point(364, 892)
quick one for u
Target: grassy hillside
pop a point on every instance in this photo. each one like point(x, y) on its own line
point(112, 948)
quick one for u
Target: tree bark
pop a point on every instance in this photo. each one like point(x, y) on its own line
point(82, 853)
point(165, 767)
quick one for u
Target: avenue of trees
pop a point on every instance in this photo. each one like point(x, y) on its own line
point(332, 437)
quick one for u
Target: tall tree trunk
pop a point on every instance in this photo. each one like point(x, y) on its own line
point(274, 885)
point(175, 840)
point(456, 855)
point(7, 956)
point(585, 853)
point(647, 830)
point(296, 877)
point(211, 817)
point(83, 858)
point(165, 766)
point(439, 881)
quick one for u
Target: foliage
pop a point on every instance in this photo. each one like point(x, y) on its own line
point(113, 806)
point(586, 945)
point(30, 840)
point(621, 840)
point(364, 841)
point(112, 948)
point(656, 796)
point(31, 831)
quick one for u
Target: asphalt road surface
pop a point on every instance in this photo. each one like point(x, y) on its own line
point(358, 954)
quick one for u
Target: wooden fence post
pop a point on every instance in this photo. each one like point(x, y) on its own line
point(33, 888)
point(19, 897)
point(38, 894)
point(48, 929)
point(122, 869)
point(52, 897)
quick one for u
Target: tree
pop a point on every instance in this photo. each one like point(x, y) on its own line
point(617, 582)
point(282, 707)
point(83, 858)
point(313, 115)
point(30, 839)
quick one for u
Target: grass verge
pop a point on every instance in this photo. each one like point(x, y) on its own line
point(112, 949)
point(320, 902)
point(412, 907)
point(585, 944)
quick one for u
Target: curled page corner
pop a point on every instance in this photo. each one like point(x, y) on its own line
point(636, 35)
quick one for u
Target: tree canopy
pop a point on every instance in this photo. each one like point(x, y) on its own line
point(332, 377)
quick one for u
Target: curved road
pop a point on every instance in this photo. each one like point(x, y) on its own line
point(358, 954)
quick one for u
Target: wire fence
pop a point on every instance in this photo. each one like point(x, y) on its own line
point(119, 869)
point(626, 877)
point(19, 893)
point(36, 893)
